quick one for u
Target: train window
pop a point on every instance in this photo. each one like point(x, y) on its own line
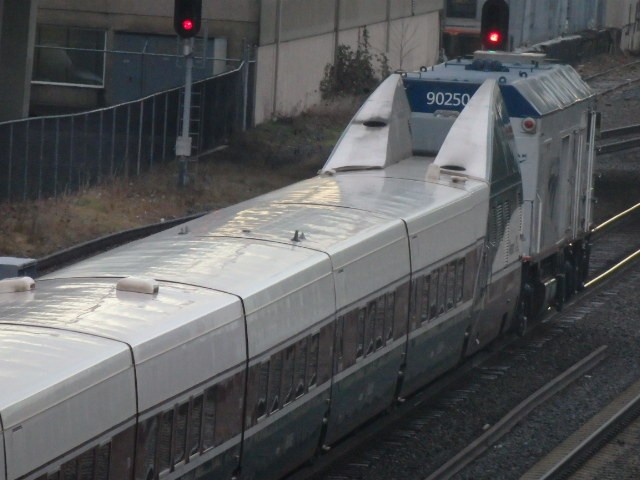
point(442, 289)
point(424, 299)
point(390, 305)
point(85, 465)
point(165, 428)
point(300, 367)
point(370, 329)
point(195, 425)
point(471, 267)
point(229, 404)
point(146, 450)
point(325, 355)
point(209, 418)
point(459, 280)
point(312, 362)
point(360, 326)
point(263, 390)
point(275, 382)
point(287, 392)
point(350, 338)
point(415, 303)
point(433, 294)
point(380, 314)
point(68, 471)
point(180, 433)
point(451, 285)
point(103, 454)
point(493, 228)
point(53, 476)
point(401, 311)
point(339, 363)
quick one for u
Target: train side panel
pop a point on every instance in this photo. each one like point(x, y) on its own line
point(290, 336)
point(557, 162)
point(191, 383)
point(75, 412)
point(369, 275)
point(445, 249)
point(2, 450)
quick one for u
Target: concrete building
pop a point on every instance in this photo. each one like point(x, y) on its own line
point(93, 53)
point(79, 61)
point(298, 38)
point(625, 16)
point(17, 35)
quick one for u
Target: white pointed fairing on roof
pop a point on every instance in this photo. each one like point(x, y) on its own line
point(468, 147)
point(378, 135)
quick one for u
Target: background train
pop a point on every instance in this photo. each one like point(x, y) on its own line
point(455, 206)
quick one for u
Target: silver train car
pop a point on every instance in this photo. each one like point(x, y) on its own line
point(241, 344)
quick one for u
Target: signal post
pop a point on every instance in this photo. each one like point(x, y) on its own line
point(187, 19)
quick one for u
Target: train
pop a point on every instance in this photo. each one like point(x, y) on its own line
point(455, 207)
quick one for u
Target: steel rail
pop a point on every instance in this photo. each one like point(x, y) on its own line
point(618, 146)
point(515, 416)
point(618, 132)
point(615, 218)
point(618, 67)
point(590, 439)
point(613, 269)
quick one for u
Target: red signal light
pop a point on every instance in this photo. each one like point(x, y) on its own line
point(494, 38)
point(187, 17)
point(187, 25)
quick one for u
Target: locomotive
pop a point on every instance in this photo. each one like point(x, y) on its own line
point(456, 206)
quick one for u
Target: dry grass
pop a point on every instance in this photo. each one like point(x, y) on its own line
point(270, 156)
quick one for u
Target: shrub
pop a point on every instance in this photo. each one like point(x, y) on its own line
point(353, 72)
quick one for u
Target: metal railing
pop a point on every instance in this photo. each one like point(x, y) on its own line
point(47, 156)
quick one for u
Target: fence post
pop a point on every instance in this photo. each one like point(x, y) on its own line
point(245, 85)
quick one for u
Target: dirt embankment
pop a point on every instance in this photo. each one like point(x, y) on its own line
point(263, 159)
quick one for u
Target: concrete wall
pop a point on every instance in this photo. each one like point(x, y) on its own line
point(298, 38)
point(625, 15)
point(235, 19)
point(17, 34)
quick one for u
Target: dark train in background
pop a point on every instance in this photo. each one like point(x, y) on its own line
point(456, 206)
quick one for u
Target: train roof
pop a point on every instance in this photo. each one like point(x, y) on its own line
point(39, 364)
point(151, 326)
point(529, 89)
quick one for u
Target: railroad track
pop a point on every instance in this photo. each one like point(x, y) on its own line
point(401, 428)
point(618, 139)
point(609, 81)
point(586, 449)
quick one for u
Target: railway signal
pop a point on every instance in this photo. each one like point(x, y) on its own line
point(494, 26)
point(187, 17)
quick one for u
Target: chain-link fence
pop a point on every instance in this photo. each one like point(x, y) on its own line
point(47, 156)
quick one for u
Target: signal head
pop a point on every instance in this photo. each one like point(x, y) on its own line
point(187, 17)
point(494, 26)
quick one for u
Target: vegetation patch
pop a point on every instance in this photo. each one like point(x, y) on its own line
point(270, 156)
point(354, 72)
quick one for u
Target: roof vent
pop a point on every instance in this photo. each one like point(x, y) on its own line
point(454, 168)
point(138, 285)
point(433, 172)
point(458, 179)
point(374, 123)
point(14, 285)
